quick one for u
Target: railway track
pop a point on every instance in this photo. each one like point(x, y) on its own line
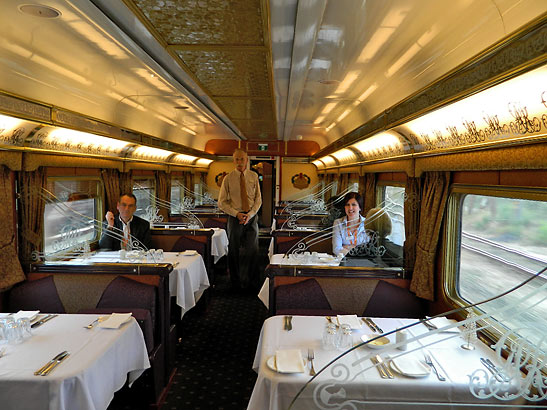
point(517, 259)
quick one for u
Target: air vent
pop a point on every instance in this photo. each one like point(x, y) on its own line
point(39, 10)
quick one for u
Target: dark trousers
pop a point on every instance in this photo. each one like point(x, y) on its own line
point(242, 252)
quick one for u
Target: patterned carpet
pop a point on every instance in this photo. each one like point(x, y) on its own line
point(215, 356)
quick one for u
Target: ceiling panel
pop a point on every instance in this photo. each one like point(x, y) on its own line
point(225, 46)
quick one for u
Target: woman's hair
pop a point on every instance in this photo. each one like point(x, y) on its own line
point(378, 220)
point(356, 196)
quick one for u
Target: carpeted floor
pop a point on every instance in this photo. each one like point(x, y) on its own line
point(215, 356)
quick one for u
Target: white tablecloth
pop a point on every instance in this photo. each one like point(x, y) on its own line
point(280, 259)
point(187, 281)
point(100, 362)
point(219, 244)
point(357, 379)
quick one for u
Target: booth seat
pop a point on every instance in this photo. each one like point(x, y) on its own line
point(78, 294)
point(121, 295)
point(334, 296)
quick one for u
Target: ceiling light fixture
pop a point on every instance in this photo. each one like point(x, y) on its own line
point(39, 10)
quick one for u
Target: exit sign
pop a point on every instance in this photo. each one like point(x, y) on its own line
point(263, 147)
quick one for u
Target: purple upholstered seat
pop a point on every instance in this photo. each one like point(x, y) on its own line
point(389, 300)
point(40, 294)
point(306, 295)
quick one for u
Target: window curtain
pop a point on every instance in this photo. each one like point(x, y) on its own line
point(362, 184)
point(126, 182)
point(111, 182)
point(412, 218)
point(433, 203)
point(369, 193)
point(10, 270)
point(188, 182)
point(343, 183)
point(32, 184)
point(163, 192)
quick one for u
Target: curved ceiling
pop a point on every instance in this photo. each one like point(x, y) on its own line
point(191, 71)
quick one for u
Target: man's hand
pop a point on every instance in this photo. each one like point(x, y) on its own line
point(243, 218)
point(109, 219)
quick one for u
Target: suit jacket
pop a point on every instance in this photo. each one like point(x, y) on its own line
point(140, 229)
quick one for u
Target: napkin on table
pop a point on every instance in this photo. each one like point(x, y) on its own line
point(411, 365)
point(440, 322)
point(289, 361)
point(115, 320)
point(351, 320)
point(30, 314)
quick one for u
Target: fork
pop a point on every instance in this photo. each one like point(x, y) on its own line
point(311, 356)
point(429, 362)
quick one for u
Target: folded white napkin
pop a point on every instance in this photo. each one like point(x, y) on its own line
point(30, 314)
point(115, 320)
point(289, 361)
point(351, 320)
point(440, 322)
point(190, 252)
point(410, 365)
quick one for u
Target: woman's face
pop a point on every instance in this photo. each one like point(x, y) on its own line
point(352, 209)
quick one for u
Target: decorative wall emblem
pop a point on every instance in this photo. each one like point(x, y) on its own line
point(219, 178)
point(300, 181)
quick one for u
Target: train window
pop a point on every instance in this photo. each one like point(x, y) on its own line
point(144, 190)
point(70, 218)
point(177, 195)
point(502, 242)
point(392, 199)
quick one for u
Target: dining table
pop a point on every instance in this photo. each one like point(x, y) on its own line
point(99, 362)
point(352, 379)
point(187, 281)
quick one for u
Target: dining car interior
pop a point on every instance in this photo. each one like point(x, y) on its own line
point(273, 204)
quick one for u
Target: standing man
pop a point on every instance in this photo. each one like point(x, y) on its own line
point(240, 198)
point(121, 231)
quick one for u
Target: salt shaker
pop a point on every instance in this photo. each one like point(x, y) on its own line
point(402, 337)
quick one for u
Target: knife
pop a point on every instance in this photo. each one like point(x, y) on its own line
point(379, 367)
point(385, 366)
point(378, 328)
point(42, 321)
point(55, 364)
point(493, 369)
point(44, 367)
point(371, 327)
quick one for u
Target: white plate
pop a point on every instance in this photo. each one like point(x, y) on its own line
point(271, 364)
point(410, 367)
point(378, 343)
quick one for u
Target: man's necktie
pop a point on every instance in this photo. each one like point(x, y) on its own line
point(243, 190)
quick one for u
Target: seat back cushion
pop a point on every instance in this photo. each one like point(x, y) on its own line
point(123, 292)
point(389, 300)
point(302, 295)
point(40, 294)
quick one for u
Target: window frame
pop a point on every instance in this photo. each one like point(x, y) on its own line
point(452, 240)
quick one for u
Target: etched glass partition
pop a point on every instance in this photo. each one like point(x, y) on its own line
point(364, 244)
point(433, 363)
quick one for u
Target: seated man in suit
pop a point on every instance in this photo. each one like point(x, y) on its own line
point(125, 231)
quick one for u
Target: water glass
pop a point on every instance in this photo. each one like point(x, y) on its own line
point(151, 256)
point(344, 340)
point(329, 336)
point(24, 324)
point(14, 333)
point(159, 255)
